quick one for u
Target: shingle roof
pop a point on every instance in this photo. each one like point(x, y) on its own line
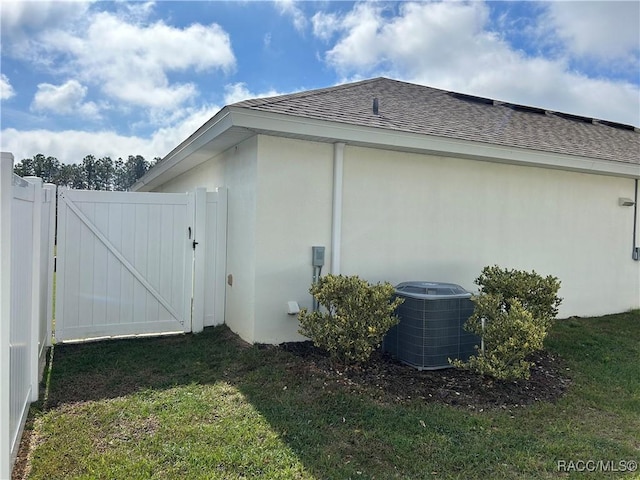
point(418, 109)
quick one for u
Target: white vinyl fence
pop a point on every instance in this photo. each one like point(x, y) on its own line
point(27, 223)
point(128, 264)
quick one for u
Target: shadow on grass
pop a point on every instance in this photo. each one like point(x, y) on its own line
point(332, 430)
point(114, 368)
point(336, 430)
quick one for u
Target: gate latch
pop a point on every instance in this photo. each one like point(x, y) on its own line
point(194, 242)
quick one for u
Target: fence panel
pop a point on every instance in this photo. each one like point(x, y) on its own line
point(209, 258)
point(6, 200)
point(45, 272)
point(215, 257)
point(22, 253)
point(27, 224)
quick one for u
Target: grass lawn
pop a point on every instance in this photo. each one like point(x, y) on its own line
point(206, 406)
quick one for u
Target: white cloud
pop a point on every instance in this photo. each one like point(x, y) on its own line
point(549, 85)
point(289, 7)
point(6, 90)
point(325, 25)
point(24, 16)
point(423, 36)
point(600, 29)
point(71, 146)
point(130, 61)
point(449, 46)
point(138, 9)
point(65, 99)
point(167, 138)
point(22, 20)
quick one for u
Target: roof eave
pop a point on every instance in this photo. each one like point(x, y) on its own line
point(216, 135)
point(187, 151)
point(322, 130)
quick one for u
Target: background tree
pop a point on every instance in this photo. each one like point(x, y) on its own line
point(24, 168)
point(119, 175)
point(89, 172)
point(104, 174)
point(46, 168)
point(139, 167)
point(128, 172)
point(70, 176)
point(92, 174)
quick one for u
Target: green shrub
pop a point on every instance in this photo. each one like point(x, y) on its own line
point(517, 308)
point(509, 337)
point(537, 294)
point(355, 317)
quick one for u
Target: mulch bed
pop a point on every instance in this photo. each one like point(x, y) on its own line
point(391, 380)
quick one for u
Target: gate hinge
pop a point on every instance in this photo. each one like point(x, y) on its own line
point(194, 244)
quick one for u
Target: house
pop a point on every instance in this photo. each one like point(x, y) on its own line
point(405, 182)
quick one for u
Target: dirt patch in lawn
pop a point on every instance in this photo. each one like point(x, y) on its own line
point(392, 381)
point(30, 440)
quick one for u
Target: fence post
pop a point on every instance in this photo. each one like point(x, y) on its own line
point(220, 281)
point(36, 273)
point(6, 196)
point(51, 241)
point(197, 319)
point(61, 227)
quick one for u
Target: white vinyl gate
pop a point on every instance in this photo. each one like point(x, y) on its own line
point(125, 262)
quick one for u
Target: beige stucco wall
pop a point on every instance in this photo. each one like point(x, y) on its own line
point(417, 217)
point(241, 182)
point(420, 217)
point(411, 217)
point(293, 214)
point(210, 174)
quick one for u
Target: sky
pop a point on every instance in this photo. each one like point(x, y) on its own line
point(137, 78)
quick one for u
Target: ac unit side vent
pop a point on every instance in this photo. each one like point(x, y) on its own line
point(431, 327)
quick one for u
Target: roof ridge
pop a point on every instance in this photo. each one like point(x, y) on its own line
point(426, 110)
point(274, 100)
point(261, 101)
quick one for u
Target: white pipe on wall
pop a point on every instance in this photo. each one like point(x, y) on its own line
point(336, 221)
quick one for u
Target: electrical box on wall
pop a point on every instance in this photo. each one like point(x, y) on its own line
point(317, 254)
